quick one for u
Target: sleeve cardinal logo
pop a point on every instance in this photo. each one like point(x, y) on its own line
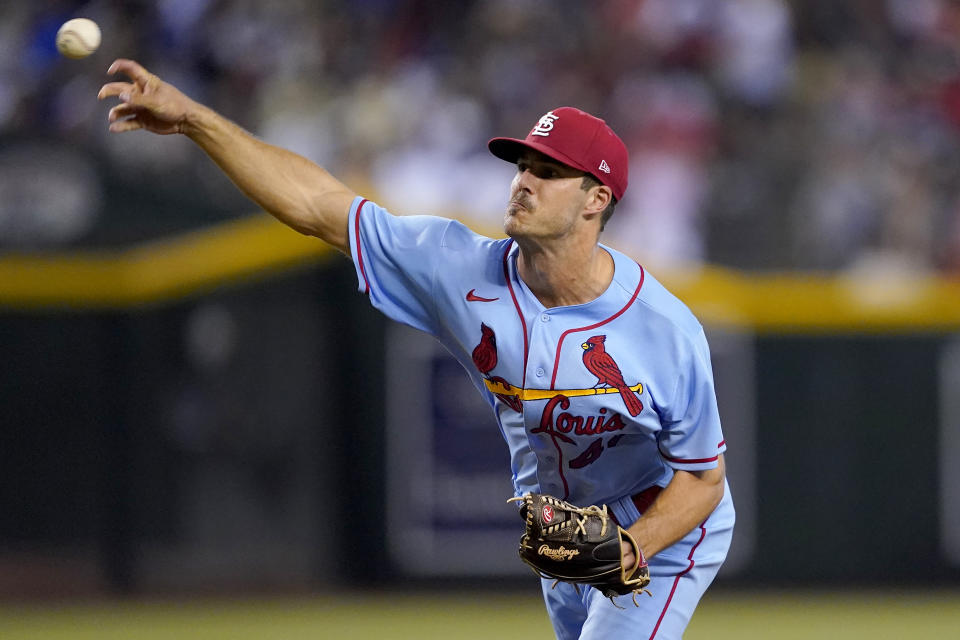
point(545, 125)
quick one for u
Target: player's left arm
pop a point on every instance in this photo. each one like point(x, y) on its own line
point(686, 501)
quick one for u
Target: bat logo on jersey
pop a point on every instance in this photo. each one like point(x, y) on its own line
point(485, 360)
point(601, 364)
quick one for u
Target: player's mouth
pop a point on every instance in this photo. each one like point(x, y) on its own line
point(518, 203)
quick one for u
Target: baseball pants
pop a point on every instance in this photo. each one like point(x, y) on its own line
point(679, 576)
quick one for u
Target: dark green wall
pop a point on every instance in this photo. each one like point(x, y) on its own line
point(292, 425)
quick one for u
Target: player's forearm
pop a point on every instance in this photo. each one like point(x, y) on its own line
point(294, 190)
point(682, 505)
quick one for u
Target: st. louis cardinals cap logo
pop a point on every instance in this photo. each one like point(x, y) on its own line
point(545, 125)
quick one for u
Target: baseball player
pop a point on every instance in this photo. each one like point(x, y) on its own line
point(598, 378)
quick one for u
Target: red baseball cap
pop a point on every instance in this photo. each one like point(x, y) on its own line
point(578, 140)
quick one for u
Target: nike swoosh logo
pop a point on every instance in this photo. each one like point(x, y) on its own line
point(473, 297)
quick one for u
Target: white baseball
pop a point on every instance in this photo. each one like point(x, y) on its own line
point(78, 38)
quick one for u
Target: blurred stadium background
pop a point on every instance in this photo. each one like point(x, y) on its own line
point(205, 432)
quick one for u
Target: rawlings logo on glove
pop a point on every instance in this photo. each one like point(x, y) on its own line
point(580, 545)
point(557, 554)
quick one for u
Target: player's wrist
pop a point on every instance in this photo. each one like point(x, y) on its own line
point(197, 121)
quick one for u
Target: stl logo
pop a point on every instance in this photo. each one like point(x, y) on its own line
point(547, 513)
point(544, 125)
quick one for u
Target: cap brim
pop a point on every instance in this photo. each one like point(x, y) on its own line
point(509, 149)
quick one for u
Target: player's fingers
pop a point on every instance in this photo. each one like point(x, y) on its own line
point(122, 110)
point(114, 89)
point(131, 68)
point(130, 124)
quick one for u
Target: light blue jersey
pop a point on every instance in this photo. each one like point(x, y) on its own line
point(597, 402)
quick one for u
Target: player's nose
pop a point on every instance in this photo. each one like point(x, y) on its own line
point(525, 180)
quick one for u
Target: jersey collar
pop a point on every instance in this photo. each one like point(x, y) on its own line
point(627, 279)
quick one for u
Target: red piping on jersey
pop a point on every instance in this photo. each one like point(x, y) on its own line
point(556, 361)
point(676, 581)
point(356, 235)
point(689, 461)
point(523, 323)
point(692, 460)
point(526, 352)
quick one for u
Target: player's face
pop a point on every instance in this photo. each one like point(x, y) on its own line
point(546, 198)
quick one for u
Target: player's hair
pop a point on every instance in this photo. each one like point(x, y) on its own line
point(590, 182)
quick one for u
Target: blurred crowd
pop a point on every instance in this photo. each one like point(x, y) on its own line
point(764, 134)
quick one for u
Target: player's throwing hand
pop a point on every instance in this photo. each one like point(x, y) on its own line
point(145, 103)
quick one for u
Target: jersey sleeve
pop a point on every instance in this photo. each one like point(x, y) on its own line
point(691, 438)
point(396, 259)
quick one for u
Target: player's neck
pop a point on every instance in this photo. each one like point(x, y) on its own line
point(564, 278)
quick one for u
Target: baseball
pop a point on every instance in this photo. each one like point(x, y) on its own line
point(78, 38)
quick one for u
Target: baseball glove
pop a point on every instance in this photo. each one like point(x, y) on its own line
point(579, 545)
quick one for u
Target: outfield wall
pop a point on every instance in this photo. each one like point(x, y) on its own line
point(222, 411)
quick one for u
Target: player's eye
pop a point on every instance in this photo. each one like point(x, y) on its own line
point(544, 172)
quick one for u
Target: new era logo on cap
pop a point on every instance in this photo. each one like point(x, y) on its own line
point(578, 140)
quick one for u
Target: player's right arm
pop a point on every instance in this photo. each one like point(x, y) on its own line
point(294, 190)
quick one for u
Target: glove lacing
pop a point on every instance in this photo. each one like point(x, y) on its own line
point(584, 512)
point(587, 512)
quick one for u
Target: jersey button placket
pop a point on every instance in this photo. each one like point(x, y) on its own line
point(540, 371)
point(549, 454)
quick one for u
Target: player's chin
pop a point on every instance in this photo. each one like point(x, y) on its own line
point(511, 224)
point(515, 212)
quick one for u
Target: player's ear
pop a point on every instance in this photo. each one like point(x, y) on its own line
point(598, 198)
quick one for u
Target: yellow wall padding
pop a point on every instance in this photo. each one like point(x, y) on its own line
point(256, 246)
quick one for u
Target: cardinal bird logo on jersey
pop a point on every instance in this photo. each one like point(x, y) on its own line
point(485, 360)
point(601, 364)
